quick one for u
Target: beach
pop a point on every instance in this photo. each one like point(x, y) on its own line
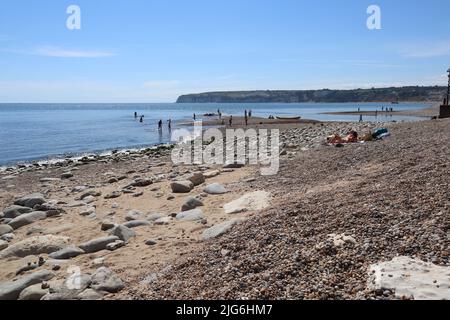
point(310, 232)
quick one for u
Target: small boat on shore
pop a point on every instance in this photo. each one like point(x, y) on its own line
point(288, 118)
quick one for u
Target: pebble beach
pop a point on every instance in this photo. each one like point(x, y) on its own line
point(132, 225)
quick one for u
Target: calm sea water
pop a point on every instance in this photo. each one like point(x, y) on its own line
point(38, 131)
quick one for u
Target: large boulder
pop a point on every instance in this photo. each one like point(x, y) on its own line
point(215, 189)
point(136, 224)
point(134, 215)
point(196, 178)
point(3, 245)
point(35, 246)
point(72, 287)
point(219, 229)
point(11, 290)
point(411, 278)
point(106, 280)
point(98, 244)
point(26, 219)
point(254, 201)
point(33, 293)
point(191, 203)
point(67, 253)
point(211, 174)
point(141, 182)
point(15, 211)
point(191, 215)
point(5, 229)
point(30, 200)
point(123, 233)
point(182, 186)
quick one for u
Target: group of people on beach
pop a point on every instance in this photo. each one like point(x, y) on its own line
point(247, 115)
point(383, 109)
point(160, 122)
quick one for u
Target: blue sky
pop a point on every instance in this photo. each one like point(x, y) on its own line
point(155, 50)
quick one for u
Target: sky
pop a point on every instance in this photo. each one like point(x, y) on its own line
point(156, 50)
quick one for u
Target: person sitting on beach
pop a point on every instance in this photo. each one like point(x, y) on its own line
point(351, 137)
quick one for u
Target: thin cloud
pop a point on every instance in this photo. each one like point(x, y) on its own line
point(161, 84)
point(340, 63)
point(63, 53)
point(428, 51)
point(58, 52)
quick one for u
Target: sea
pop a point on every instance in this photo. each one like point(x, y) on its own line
point(31, 132)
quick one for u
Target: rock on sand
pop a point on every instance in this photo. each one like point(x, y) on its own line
point(12, 290)
point(411, 278)
point(97, 244)
point(30, 200)
point(182, 186)
point(36, 246)
point(219, 229)
point(257, 200)
point(191, 215)
point(215, 189)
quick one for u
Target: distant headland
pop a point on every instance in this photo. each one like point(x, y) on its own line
point(392, 94)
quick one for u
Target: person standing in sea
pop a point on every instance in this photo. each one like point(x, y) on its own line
point(160, 125)
point(169, 124)
point(195, 117)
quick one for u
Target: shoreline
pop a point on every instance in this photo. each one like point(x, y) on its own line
point(334, 190)
point(426, 112)
point(100, 155)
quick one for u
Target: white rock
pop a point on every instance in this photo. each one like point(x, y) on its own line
point(254, 201)
point(191, 215)
point(211, 174)
point(409, 277)
point(215, 189)
point(219, 229)
point(341, 239)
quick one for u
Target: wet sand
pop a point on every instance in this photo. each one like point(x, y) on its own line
point(428, 112)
